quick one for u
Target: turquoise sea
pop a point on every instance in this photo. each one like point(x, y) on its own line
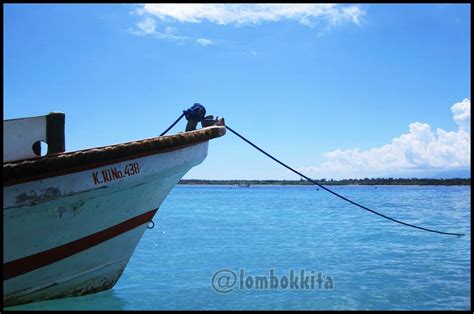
point(213, 247)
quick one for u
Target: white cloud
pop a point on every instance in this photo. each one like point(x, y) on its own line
point(419, 150)
point(204, 42)
point(148, 27)
point(245, 14)
point(462, 114)
point(327, 15)
point(170, 30)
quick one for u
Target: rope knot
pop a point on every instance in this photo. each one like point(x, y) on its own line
point(196, 112)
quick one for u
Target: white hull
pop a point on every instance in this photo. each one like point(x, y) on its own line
point(73, 234)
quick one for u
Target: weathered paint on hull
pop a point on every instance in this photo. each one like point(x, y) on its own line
point(73, 234)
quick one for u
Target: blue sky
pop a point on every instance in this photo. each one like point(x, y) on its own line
point(335, 91)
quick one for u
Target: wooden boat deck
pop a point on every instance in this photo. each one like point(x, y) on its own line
point(15, 172)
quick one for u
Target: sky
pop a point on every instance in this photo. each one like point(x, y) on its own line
point(335, 91)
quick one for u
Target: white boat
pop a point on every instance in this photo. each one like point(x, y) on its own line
point(72, 220)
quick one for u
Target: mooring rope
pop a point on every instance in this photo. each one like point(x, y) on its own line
point(316, 183)
point(336, 194)
point(174, 123)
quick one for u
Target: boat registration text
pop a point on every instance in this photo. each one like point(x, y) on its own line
point(112, 174)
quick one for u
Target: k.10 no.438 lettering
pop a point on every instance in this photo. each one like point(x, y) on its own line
point(112, 174)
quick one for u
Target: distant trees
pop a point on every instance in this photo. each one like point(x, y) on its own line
point(323, 181)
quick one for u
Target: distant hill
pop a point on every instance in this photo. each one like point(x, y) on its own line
point(449, 174)
point(463, 173)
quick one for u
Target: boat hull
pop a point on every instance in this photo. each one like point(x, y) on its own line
point(73, 234)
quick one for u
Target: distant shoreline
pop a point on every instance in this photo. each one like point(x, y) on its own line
point(355, 182)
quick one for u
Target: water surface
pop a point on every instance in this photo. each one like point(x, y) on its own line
point(374, 263)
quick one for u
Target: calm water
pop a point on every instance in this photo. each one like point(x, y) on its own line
point(373, 263)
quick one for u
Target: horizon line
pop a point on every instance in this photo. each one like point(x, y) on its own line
point(332, 179)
